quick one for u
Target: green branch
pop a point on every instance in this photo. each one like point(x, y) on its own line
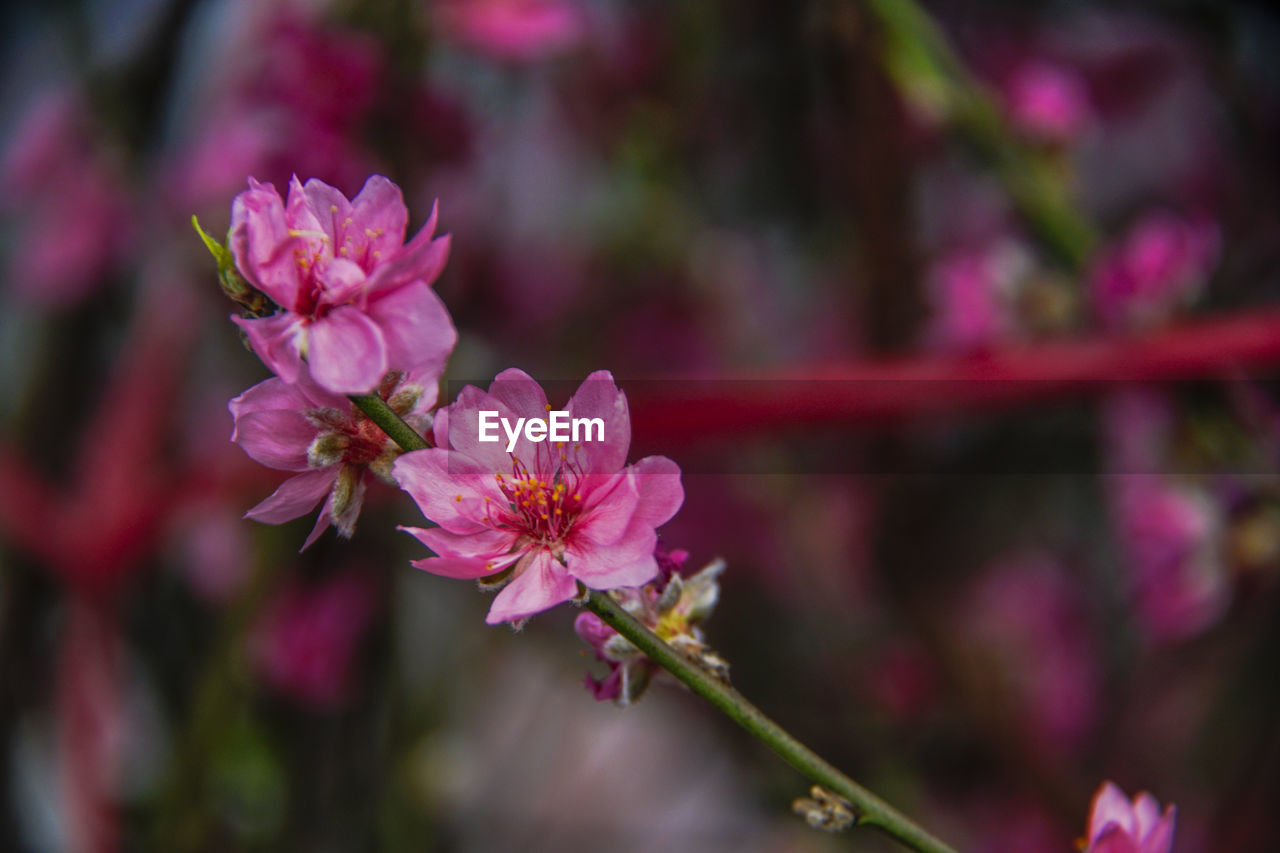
point(390, 423)
point(928, 73)
point(870, 809)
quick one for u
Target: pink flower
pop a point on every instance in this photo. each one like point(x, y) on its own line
point(513, 30)
point(1117, 825)
point(1049, 102)
point(304, 643)
point(1161, 264)
point(330, 443)
point(544, 515)
point(357, 299)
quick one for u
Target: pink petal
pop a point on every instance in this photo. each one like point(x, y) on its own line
point(416, 326)
point(1114, 840)
point(628, 562)
point(421, 259)
point(520, 392)
point(306, 226)
point(341, 280)
point(277, 439)
point(484, 545)
point(379, 208)
point(269, 395)
point(296, 497)
point(448, 487)
point(323, 521)
point(599, 397)
point(542, 584)
point(609, 510)
point(275, 340)
point(1146, 812)
point(661, 493)
point(330, 209)
point(1161, 838)
point(1110, 805)
point(346, 352)
point(262, 245)
point(459, 426)
point(462, 568)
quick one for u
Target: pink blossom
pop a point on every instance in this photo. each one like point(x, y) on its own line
point(306, 638)
point(513, 30)
point(545, 515)
point(327, 441)
point(1160, 265)
point(1117, 825)
point(672, 606)
point(1049, 102)
point(356, 299)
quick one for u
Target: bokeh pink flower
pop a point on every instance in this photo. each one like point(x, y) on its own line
point(546, 515)
point(1157, 268)
point(513, 30)
point(356, 299)
point(305, 641)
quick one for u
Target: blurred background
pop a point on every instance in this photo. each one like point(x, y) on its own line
point(1023, 535)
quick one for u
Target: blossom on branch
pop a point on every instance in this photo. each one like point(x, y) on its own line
point(356, 299)
point(547, 514)
point(330, 443)
point(672, 606)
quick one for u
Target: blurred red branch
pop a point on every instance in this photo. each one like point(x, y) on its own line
point(890, 390)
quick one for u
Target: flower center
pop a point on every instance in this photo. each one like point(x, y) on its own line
point(543, 510)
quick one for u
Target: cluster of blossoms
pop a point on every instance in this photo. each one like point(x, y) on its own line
point(671, 606)
point(339, 304)
point(355, 314)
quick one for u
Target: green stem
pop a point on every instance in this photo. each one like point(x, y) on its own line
point(871, 810)
point(927, 70)
point(390, 423)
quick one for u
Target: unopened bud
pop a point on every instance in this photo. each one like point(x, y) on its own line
point(825, 810)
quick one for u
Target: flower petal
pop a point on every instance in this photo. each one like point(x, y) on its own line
point(277, 438)
point(1114, 840)
point(416, 326)
point(346, 352)
point(661, 492)
point(543, 583)
point(269, 395)
point(341, 280)
point(628, 562)
point(262, 245)
point(379, 211)
point(296, 497)
point(448, 487)
point(598, 397)
point(421, 259)
point(276, 341)
point(1110, 805)
point(483, 545)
